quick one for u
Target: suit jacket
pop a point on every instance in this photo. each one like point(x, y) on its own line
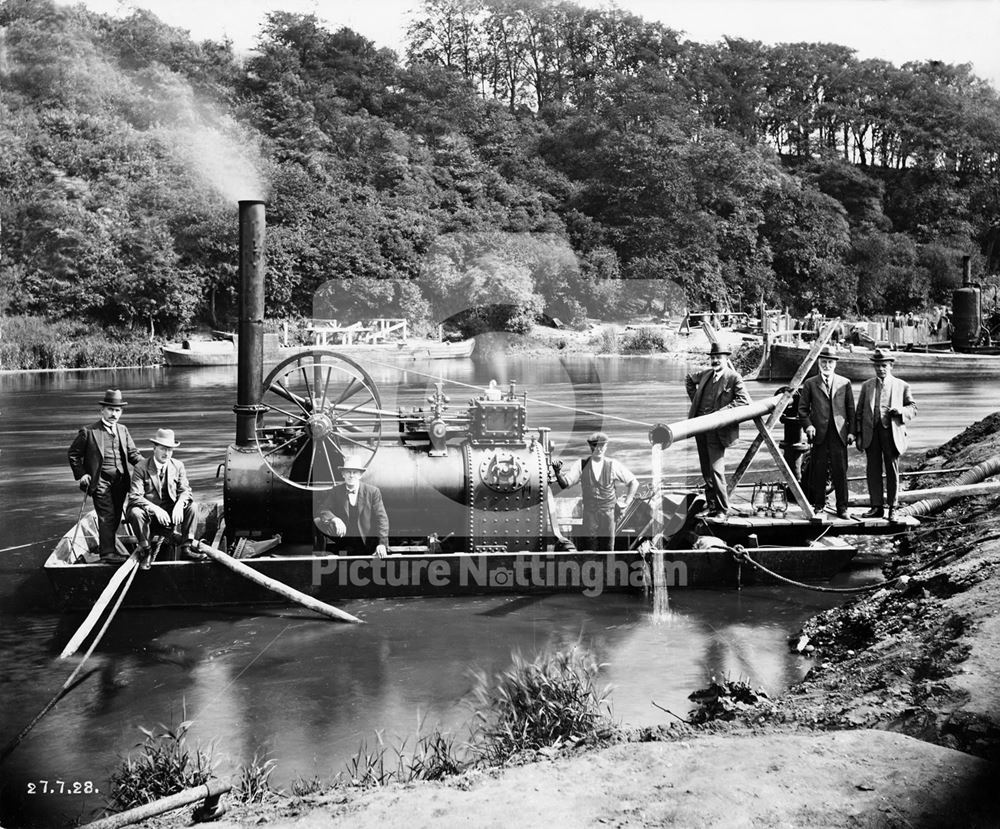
point(898, 397)
point(143, 491)
point(730, 393)
point(815, 405)
point(86, 457)
point(373, 523)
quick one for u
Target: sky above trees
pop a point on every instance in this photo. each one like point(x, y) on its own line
point(953, 31)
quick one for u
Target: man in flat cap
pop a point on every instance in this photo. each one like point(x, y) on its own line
point(356, 520)
point(160, 501)
point(101, 457)
point(826, 412)
point(718, 387)
point(598, 476)
point(885, 406)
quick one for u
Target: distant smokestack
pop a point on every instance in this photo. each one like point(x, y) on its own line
point(966, 271)
point(250, 372)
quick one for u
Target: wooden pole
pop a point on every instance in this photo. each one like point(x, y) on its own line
point(107, 595)
point(278, 587)
point(213, 789)
point(785, 470)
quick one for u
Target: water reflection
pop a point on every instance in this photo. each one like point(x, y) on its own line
point(312, 690)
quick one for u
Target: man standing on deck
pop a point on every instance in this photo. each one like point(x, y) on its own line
point(718, 387)
point(598, 476)
point(356, 518)
point(826, 411)
point(885, 406)
point(100, 457)
point(160, 499)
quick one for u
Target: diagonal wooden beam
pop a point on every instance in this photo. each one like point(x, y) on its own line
point(785, 470)
point(786, 397)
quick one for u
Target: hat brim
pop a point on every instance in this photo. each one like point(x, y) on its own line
point(352, 466)
point(112, 405)
point(164, 443)
point(877, 360)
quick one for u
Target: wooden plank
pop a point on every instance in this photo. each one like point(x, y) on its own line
point(109, 592)
point(797, 379)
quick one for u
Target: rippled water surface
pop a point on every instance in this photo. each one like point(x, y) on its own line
point(309, 691)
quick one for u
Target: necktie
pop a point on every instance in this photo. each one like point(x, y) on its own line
point(878, 402)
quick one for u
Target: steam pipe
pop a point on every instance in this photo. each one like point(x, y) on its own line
point(666, 433)
point(250, 342)
point(966, 271)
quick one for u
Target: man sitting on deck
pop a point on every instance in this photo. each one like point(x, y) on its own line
point(160, 500)
point(356, 519)
point(597, 476)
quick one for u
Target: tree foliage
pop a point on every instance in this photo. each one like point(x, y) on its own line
point(522, 157)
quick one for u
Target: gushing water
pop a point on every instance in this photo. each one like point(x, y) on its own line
point(661, 598)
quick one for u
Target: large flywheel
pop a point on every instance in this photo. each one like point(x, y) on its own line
point(317, 407)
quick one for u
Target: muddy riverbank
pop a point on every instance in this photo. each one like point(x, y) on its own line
point(897, 723)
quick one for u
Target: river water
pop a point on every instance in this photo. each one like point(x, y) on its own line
point(308, 691)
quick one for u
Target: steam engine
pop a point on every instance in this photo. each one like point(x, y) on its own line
point(474, 480)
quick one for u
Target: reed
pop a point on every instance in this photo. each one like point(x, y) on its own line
point(549, 702)
point(36, 343)
point(254, 784)
point(434, 755)
point(163, 765)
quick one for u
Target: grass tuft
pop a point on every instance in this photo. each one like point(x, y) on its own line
point(254, 784)
point(163, 765)
point(547, 703)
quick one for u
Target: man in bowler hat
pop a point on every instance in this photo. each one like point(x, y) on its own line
point(826, 412)
point(885, 406)
point(160, 499)
point(718, 387)
point(101, 457)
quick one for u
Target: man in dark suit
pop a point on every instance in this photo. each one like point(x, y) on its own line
point(160, 499)
point(826, 411)
point(885, 406)
point(101, 456)
point(718, 387)
point(356, 517)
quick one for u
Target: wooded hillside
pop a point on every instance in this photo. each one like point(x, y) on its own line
point(522, 156)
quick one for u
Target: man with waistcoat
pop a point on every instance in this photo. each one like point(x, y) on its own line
point(598, 477)
point(101, 457)
point(826, 412)
point(356, 517)
point(885, 406)
point(160, 499)
point(718, 387)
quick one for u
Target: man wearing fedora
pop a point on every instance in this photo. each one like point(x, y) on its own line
point(885, 406)
point(160, 500)
point(718, 387)
point(826, 412)
point(598, 476)
point(101, 457)
point(356, 518)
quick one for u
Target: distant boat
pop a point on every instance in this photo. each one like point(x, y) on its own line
point(780, 361)
point(223, 352)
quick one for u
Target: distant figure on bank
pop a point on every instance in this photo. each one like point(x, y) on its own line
point(885, 406)
point(160, 501)
point(356, 520)
point(598, 476)
point(826, 412)
point(718, 387)
point(101, 456)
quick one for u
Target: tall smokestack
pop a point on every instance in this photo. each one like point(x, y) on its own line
point(250, 372)
point(966, 271)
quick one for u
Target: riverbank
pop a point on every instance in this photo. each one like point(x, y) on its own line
point(896, 724)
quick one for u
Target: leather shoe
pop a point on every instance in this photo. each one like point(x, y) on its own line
point(843, 513)
point(190, 553)
point(874, 512)
point(113, 558)
point(890, 514)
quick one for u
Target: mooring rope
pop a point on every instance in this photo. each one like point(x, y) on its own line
point(741, 555)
